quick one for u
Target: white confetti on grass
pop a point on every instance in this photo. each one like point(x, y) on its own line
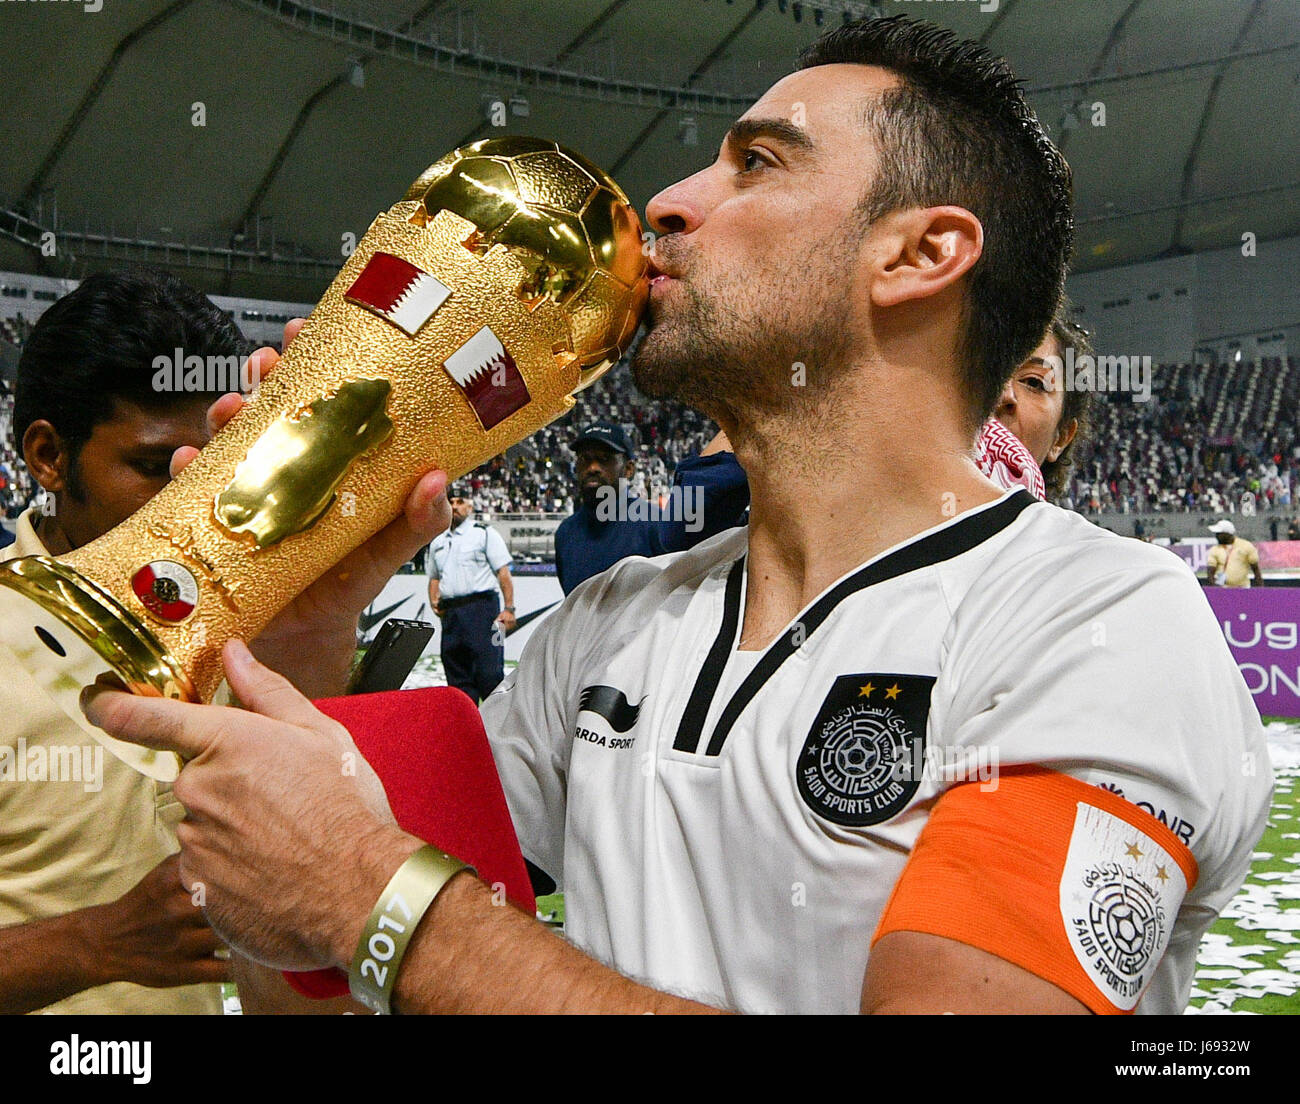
point(1219, 950)
point(1232, 994)
point(1214, 1008)
point(1272, 981)
point(1229, 971)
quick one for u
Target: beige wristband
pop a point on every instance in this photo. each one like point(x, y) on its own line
point(393, 921)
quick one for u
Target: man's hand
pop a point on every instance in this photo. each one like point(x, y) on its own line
point(291, 835)
point(154, 934)
point(506, 618)
point(289, 830)
point(313, 639)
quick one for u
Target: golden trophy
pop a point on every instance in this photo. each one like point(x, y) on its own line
point(510, 276)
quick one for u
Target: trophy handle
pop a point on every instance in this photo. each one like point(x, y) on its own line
point(66, 630)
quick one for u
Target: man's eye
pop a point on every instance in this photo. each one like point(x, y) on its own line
point(752, 160)
point(152, 469)
point(1035, 383)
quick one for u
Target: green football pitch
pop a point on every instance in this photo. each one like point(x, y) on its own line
point(1250, 959)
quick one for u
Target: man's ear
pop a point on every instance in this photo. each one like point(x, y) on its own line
point(923, 251)
point(628, 469)
point(46, 455)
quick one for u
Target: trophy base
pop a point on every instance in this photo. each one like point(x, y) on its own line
point(66, 630)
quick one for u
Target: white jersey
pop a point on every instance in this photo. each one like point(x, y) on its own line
point(1027, 730)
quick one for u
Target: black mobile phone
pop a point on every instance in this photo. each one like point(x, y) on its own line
point(388, 661)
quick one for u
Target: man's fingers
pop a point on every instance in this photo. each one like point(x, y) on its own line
point(425, 515)
point(292, 329)
point(202, 971)
point(158, 723)
point(265, 359)
point(262, 690)
point(221, 411)
point(368, 568)
point(201, 942)
point(427, 508)
point(180, 459)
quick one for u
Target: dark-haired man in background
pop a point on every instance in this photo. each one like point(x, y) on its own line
point(767, 769)
point(94, 917)
point(709, 495)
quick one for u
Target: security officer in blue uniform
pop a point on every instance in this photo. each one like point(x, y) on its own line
point(467, 563)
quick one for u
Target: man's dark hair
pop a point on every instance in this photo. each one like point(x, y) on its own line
point(97, 344)
point(958, 131)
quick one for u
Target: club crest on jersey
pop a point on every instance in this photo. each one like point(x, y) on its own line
point(856, 766)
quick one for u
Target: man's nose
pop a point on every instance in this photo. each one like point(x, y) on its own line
point(679, 208)
point(1007, 400)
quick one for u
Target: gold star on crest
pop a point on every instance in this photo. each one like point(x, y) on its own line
point(865, 692)
point(1132, 851)
point(1162, 873)
point(893, 691)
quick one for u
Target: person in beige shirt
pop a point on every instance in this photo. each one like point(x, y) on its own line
point(1233, 560)
point(93, 918)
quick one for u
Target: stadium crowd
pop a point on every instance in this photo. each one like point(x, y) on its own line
point(1167, 455)
point(16, 486)
point(537, 476)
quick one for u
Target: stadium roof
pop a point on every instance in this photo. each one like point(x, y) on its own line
point(319, 114)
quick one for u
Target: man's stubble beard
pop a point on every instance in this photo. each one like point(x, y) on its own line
point(751, 351)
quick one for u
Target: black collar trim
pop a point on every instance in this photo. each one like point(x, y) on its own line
point(954, 540)
point(706, 682)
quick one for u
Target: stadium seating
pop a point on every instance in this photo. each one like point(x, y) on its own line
point(1209, 436)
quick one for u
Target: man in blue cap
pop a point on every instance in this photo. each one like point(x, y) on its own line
point(709, 494)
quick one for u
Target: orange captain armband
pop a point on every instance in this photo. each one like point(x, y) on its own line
point(1057, 876)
